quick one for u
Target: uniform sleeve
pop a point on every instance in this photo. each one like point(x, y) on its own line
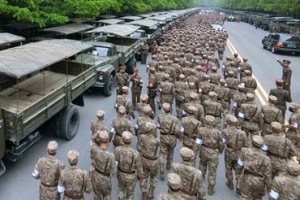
point(288, 97)
point(275, 189)
point(221, 141)
point(288, 78)
point(61, 180)
point(117, 154)
point(139, 167)
point(87, 182)
point(113, 167)
point(61, 166)
point(177, 128)
point(92, 127)
point(130, 109)
point(245, 140)
point(131, 127)
point(293, 150)
point(268, 174)
point(280, 117)
point(36, 170)
point(92, 156)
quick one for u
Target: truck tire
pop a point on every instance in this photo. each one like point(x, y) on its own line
point(69, 123)
point(108, 88)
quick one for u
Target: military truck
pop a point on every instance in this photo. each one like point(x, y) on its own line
point(42, 82)
point(8, 40)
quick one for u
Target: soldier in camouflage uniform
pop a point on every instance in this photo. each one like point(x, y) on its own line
point(167, 91)
point(121, 79)
point(149, 154)
point(293, 132)
point(214, 77)
point(221, 48)
point(249, 82)
point(153, 63)
point(193, 185)
point(190, 126)
point(205, 88)
point(232, 83)
point(122, 100)
point(287, 187)
point(144, 103)
point(180, 87)
point(195, 101)
point(225, 67)
point(214, 108)
point(237, 61)
point(160, 76)
point(136, 87)
point(232, 67)
point(48, 170)
point(223, 95)
point(250, 116)
point(174, 184)
point(74, 182)
point(279, 149)
point(152, 88)
point(238, 99)
point(243, 67)
point(119, 125)
point(169, 132)
point(211, 143)
point(144, 53)
point(129, 167)
point(270, 114)
point(257, 168)
point(235, 139)
point(99, 125)
point(103, 165)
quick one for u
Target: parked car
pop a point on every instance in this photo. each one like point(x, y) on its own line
point(282, 42)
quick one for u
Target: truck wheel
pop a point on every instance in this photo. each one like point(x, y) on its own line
point(273, 50)
point(107, 90)
point(69, 123)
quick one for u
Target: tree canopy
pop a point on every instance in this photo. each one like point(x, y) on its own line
point(49, 12)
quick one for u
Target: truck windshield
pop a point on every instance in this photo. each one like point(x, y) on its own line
point(102, 51)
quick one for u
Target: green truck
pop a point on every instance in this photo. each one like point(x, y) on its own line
point(41, 82)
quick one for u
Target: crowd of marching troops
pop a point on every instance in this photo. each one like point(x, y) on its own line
point(215, 111)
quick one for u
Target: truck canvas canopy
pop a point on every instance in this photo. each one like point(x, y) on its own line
point(69, 28)
point(131, 18)
point(23, 60)
point(110, 21)
point(7, 38)
point(144, 22)
point(160, 17)
point(121, 30)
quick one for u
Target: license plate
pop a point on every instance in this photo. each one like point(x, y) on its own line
point(292, 46)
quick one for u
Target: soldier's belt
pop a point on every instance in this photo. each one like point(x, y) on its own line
point(149, 157)
point(246, 172)
point(213, 115)
point(102, 173)
point(210, 147)
point(279, 156)
point(188, 192)
point(126, 172)
point(49, 185)
point(166, 133)
point(73, 196)
point(233, 148)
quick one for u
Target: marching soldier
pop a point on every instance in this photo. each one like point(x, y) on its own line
point(270, 114)
point(122, 100)
point(174, 184)
point(214, 108)
point(221, 48)
point(243, 67)
point(211, 143)
point(214, 77)
point(136, 87)
point(293, 132)
point(205, 88)
point(279, 149)
point(249, 82)
point(232, 83)
point(167, 91)
point(180, 87)
point(257, 171)
point(193, 185)
point(286, 74)
point(223, 95)
point(144, 53)
point(282, 95)
point(150, 145)
point(119, 125)
point(237, 61)
point(152, 88)
point(144, 103)
point(194, 101)
point(129, 167)
point(74, 182)
point(121, 79)
point(153, 63)
point(103, 166)
point(99, 125)
point(169, 132)
point(48, 170)
point(238, 99)
point(235, 140)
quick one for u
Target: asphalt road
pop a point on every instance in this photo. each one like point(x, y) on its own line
point(17, 183)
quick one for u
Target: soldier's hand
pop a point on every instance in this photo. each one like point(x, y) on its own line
point(143, 181)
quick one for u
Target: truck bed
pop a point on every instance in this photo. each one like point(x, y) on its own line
point(32, 90)
point(122, 49)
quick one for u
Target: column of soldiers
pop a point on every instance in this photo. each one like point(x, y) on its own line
point(212, 114)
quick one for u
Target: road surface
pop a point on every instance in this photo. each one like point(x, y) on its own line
point(17, 183)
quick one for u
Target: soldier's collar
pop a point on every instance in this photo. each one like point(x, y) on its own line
point(187, 163)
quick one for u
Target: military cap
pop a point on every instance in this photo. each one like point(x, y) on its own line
point(279, 82)
point(176, 59)
point(188, 63)
point(150, 126)
point(152, 69)
point(122, 110)
point(231, 118)
point(193, 95)
point(174, 181)
point(103, 136)
point(230, 72)
point(214, 69)
point(147, 110)
point(235, 54)
point(127, 136)
point(245, 59)
point(191, 109)
point(73, 156)
point(232, 63)
point(241, 86)
point(222, 81)
point(166, 57)
point(212, 94)
point(122, 67)
point(166, 76)
point(199, 67)
point(124, 89)
point(293, 168)
point(192, 84)
point(52, 147)
point(100, 113)
point(160, 67)
point(248, 72)
point(209, 57)
point(294, 105)
point(144, 97)
point(153, 56)
point(276, 126)
point(273, 99)
point(204, 56)
point(250, 96)
point(286, 61)
point(181, 76)
point(186, 153)
point(206, 76)
point(166, 106)
point(257, 141)
point(209, 119)
point(228, 58)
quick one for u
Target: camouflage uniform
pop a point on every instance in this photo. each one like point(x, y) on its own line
point(122, 100)
point(103, 166)
point(194, 101)
point(193, 185)
point(74, 182)
point(249, 82)
point(221, 48)
point(243, 67)
point(136, 87)
point(150, 146)
point(279, 149)
point(129, 167)
point(99, 125)
point(293, 132)
point(213, 108)
point(237, 61)
point(169, 132)
point(144, 53)
point(232, 83)
point(153, 63)
point(212, 144)
point(152, 88)
point(205, 88)
point(119, 125)
point(270, 114)
point(214, 77)
point(48, 170)
point(256, 175)
point(238, 99)
point(174, 184)
point(121, 79)
point(144, 103)
point(180, 87)
point(167, 91)
point(223, 95)
point(235, 139)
